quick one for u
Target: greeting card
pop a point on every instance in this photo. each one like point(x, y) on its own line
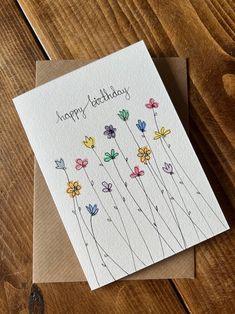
point(119, 165)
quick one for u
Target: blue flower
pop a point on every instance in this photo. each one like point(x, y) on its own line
point(141, 125)
point(60, 164)
point(93, 210)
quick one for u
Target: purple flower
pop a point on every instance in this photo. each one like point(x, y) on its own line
point(168, 168)
point(110, 131)
point(107, 187)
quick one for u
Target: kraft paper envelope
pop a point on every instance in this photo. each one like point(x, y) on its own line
point(54, 259)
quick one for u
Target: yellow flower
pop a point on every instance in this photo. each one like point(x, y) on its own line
point(89, 142)
point(144, 154)
point(162, 133)
point(74, 188)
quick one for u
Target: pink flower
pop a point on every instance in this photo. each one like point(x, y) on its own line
point(137, 172)
point(81, 163)
point(152, 104)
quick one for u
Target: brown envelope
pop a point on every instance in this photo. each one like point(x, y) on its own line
point(54, 259)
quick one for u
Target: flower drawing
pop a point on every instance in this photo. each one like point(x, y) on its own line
point(107, 187)
point(60, 164)
point(81, 163)
point(89, 142)
point(92, 209)
point(110, 131)
point(144, 154)
point(141, 125)
point(137, 172)
point(152, 104)
point(74, 188)
point(123, 114)
point(168, 168)
point(110, 156)
point(161, 133)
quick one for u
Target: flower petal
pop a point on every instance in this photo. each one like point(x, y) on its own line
point(78, 161)
point(136, 169)
point(78, 167)
point(85, 163)
point(133, 175)
point(105, 184)
point(167, 132)
point(107, 158)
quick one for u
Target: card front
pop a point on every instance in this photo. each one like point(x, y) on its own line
point(50, 263)
point(123, 175)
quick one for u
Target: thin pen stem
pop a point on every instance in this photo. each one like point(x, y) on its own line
point(104, 208)
point(133, 136)
point(160, 240)
point(162, 194)
point(128, 240)
point(85, 243)
point(98, 249)
point(89, 231)
point(163, 146)
point(190, 180)
point(185, 205)
point(174, 200)
point(139, 208)
point(172, 213)
point(83, 238)
point(114, 183)
point(148, 198)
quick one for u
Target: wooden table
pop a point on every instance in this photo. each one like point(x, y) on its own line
point(202, 31)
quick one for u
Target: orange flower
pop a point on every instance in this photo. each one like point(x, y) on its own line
point(74, 188)
point(144, 154)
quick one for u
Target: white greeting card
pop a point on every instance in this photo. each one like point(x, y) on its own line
point(119, 165)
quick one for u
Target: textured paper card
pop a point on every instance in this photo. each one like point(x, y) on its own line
point(126, 182)
point(50, 263)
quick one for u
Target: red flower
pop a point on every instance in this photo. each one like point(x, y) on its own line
point(152, 104)
point(81, 163)
point(137, 172)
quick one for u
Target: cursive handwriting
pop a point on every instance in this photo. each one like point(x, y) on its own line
point(104, 96)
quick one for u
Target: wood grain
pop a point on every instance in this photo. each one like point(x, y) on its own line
point(18, 52)
point(202, 31)
point(169, 28)
point(18, 55)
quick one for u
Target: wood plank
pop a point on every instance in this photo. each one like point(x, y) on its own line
point(169, 29)
point(130, 297)
point(213, 289)
point(19, 51)
point(202, 31)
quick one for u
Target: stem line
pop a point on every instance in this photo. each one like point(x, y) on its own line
point(85, 243)
point(118, 172)
point(127, 237)
point(98, 249)
point(89, 231)
point(104, 208)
